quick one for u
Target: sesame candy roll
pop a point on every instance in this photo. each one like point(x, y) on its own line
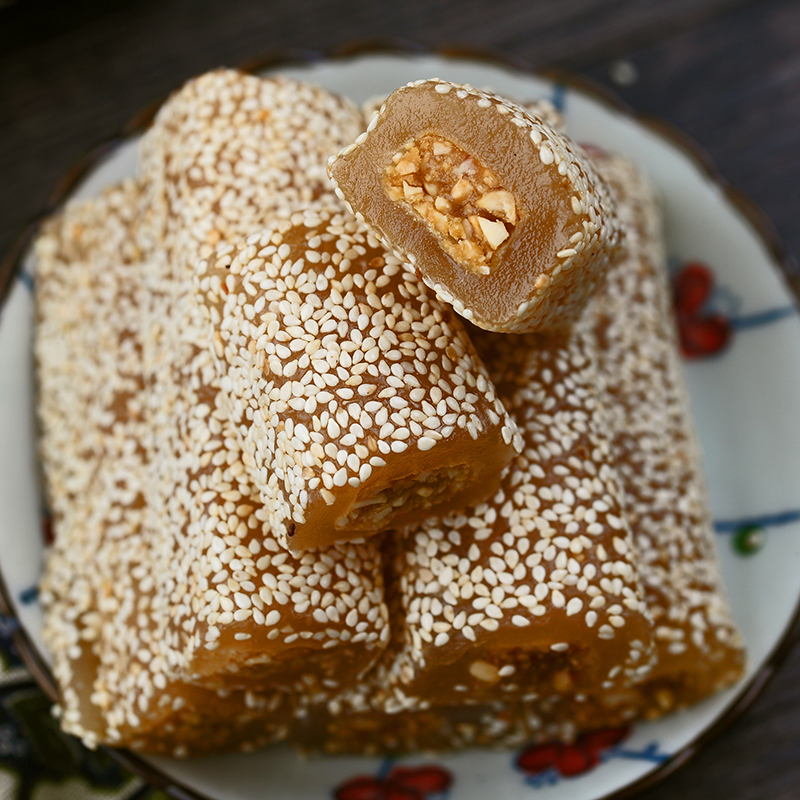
point(698, 646)
point(359, 402)
point(697, 649)
point(252, 614)
point(536, 589)
point(89, 406)
point(499, 213)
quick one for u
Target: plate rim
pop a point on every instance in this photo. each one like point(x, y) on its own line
point(761, 224)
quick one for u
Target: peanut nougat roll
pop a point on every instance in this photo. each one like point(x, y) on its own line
point(537, 589)
point(360, 403)
point(699, 648)
point(89, 404)
point(499, 213)
point(245, 613)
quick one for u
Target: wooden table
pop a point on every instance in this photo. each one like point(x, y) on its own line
point(725, 71)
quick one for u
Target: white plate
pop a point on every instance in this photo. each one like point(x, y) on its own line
point(747, 407)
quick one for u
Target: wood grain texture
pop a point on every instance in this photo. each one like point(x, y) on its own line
point(725, 71)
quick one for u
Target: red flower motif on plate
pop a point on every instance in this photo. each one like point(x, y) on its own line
point(402, 783)
point(570, 759)
point(702, 333)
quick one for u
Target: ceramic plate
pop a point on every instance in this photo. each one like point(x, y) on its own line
point(745, 391)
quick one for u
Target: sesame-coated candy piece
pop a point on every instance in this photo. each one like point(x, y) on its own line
point(90, 412)
point(98, 587)
point(359, 401)
point(698, 646)
point(499, 213)
point(251, 614)
point(229, 150)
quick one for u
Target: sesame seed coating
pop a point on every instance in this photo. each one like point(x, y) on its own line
point(551, 227)
point(359, 402)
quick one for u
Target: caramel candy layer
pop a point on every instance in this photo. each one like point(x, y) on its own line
point(497, 211)
point(359, 402)
point(499, 724)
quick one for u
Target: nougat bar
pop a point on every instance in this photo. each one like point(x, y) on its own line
point(499, 213)
point(88, 362)
point(112, 677)
point(359, 401)
point(248, 613)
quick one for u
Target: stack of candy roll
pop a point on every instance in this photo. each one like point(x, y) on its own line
point(637, 380)
point(232, 609)
point(516, 603)
point(321, 507)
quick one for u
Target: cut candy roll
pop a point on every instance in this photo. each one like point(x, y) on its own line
point(359, 401)
point(497, 211)
point(226, 153)
point(699, 647)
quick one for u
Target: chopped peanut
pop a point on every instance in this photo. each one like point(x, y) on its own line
point(461, 200)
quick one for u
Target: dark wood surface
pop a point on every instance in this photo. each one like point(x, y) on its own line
point(725, 71)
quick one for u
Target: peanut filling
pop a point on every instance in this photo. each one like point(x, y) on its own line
point(460, 199)
point(419, 492)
